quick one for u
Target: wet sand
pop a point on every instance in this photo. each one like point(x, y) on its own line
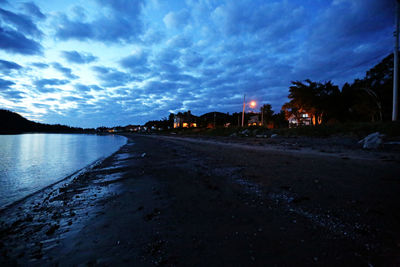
point(192, 202)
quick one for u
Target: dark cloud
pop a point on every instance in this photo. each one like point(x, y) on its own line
point(10, 93)
point(81, 87)
point(360, 37)
point(7, 66)
point(121, 23)
point(79, 58)
point(266, 19)
point(41, 105)
point(66, 71)
point(20, 22)
point(72, 99)
point(68, 29)
point(192, 59)
point(33, 9)
point(135, 63)
point(13, 95)
point(157, 87)
point(5, 84)
point(87, 88)
point(15, 42)
point(40, 65)
point(168, 55)
point(46, 85)
point(111, 77)
point(180, 41)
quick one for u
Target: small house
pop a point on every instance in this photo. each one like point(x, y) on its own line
point(185, 120)
point(302, 119)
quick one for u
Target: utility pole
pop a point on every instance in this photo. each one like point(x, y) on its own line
point(244, 106)
point(396, 65)
point(262, 115)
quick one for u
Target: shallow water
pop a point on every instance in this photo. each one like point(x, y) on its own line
point(30, 162)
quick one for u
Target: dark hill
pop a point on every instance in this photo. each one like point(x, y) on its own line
point(11, 122)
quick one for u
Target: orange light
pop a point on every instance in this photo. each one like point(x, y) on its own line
point(253, 104)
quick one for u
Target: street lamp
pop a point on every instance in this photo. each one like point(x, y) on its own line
point(252, 105)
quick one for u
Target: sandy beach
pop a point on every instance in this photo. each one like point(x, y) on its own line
point(179, 201)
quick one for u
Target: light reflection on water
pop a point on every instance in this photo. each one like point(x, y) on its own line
point(30, 162)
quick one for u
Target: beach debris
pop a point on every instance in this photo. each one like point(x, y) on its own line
point(143, 155)
point(372, 141)
point(392, 143)
point(245, 132)
point(274, 135)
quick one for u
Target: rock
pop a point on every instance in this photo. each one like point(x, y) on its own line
point(245, 132)
point(372, 141)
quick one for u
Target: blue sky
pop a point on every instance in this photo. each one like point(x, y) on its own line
point(91, 63)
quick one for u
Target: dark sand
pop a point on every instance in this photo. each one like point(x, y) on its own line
point(191, 202)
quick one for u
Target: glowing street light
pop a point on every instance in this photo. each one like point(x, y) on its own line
point(252, 105)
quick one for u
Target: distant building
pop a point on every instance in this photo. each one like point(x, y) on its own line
point(185, 120)
point(132, 128)
point(302, 119)
point(254, 120)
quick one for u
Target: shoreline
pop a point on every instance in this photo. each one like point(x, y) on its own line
point(52, 186)
point(24, 210)
point(70, 176)
point(167, 202)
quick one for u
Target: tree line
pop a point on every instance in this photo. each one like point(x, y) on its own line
point(12, 123)
point(365, 100)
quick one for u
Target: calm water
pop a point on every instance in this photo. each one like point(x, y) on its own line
point(29, 162)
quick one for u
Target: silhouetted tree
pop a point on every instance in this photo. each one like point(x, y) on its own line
point(319, 100)
point(267, 113)
point(370, 98)
point(279, 120)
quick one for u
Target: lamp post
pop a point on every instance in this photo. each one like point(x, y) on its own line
point(396, 65)
point(262, 115)
point(252, 105)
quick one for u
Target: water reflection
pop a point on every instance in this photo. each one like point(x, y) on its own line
point(30, 162)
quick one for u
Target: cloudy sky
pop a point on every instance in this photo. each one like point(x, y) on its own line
point(90, 63)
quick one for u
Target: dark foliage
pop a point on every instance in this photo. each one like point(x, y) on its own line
point(12, 122)
point(367, 99)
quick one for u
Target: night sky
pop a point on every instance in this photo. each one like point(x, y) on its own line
point(90, 63)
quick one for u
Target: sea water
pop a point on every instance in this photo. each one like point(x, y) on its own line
point(30, 162)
